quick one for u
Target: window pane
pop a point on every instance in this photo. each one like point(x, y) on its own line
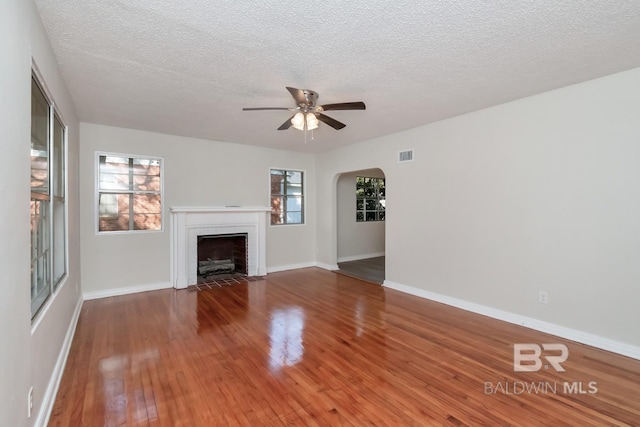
point(40, 288)
point(359, 186)
point(39, 140)
point(147, 221)
point(114, 212)
point(371, 216)
point(369, 189)
point(59, 242)
point(294, 178)
point(146, 183)
point(381, 215)
point(59, 223)
point(276, 209)
point(146, 203)
point(108, 205)
point(360, 204)
point(58, 158)
point(120, 223)
point(294, 217)
point(277, 182)
point(371, 204)
point(146, 175)
point(114, 164)
point(294, 203)
point(146, 166)
point(39, 171)
point(147, 212)
point(359, 216)
point(114, 173)
point(295, 189)
point(114, 182)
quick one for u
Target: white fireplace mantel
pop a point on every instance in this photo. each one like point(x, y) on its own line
point(189, 222)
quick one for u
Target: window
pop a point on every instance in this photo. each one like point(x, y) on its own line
point(370, 199)
point(287, 197)
point(48, 198)
point(129, 193)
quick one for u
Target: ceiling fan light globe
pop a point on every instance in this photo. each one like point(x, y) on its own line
point(298, 121)
point(312, 121)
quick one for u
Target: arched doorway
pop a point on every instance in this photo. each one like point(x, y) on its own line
point(361, 212)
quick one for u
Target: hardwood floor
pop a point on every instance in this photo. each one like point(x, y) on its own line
point(369, 269)
point(311, 347)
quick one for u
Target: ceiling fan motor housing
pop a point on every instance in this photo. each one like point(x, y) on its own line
point(311, 97)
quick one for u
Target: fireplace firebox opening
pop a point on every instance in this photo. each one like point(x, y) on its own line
point(222, 255)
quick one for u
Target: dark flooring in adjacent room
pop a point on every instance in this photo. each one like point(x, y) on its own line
point(369, 269)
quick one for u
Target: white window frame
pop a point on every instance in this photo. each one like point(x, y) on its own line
point(96, 211)
point(304, 196)
point(54, 286)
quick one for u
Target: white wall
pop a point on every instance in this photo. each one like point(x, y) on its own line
point(356, 240)
point(14, 227)
point(30, 356)
point(197, 173)
point(538, 194)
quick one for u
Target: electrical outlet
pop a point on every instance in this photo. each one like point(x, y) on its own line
point(29, 402)
point(543, 297)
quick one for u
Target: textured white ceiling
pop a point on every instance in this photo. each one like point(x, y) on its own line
point(188, 67)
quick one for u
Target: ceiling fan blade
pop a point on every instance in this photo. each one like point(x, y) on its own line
point(286, 125)
point(345, 106)
point(298, 95)
point(331, 122)
point(265, 108)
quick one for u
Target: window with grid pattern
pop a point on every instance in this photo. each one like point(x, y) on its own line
point(129, 193)
point(370, 199)
point(287, 197)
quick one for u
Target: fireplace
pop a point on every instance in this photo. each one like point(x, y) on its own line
point(222, 255)
point(191, 224)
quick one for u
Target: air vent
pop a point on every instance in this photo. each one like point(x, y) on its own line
point(405, 156)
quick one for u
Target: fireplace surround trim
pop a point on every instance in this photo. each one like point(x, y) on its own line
point(189, 222)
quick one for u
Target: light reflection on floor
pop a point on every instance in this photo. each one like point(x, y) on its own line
point(114, 370)
point(285, 336)
point(358, 315)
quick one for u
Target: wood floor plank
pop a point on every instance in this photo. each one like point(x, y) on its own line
point(310, 347)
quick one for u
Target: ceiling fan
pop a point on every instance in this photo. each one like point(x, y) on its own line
point(308, 114)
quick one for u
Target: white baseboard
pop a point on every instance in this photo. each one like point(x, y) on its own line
point(51, 392)
point(528, 322)
point(125, 291)
point(290, 267)
point(359, 257)
point(302, 265)
point(330, 267)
